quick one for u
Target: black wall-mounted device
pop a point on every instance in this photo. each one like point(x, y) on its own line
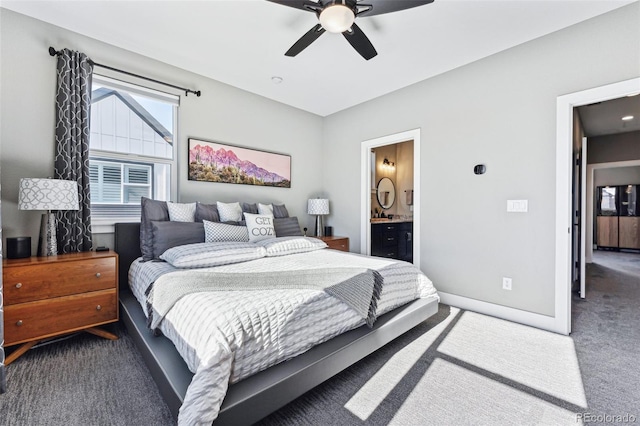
point(479, 169)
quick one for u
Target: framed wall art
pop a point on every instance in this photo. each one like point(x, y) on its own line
point(223, 163)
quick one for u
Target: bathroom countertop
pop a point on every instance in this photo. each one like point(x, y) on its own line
point(387, 220)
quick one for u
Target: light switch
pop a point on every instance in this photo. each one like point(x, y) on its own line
point(517, 206)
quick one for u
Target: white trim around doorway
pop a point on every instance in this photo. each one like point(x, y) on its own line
point(365, 188)
point(564, 167)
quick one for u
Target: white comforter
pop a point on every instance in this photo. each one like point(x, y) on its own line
point(225, 336)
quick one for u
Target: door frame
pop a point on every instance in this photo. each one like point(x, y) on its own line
point(564, 172)
point(365, 188)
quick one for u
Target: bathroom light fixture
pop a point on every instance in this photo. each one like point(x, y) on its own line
point(627, 118)
point(337, 18)
point(388, 165)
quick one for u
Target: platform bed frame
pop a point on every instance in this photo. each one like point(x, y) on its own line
point(257, 396)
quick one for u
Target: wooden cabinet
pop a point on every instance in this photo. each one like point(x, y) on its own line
point(393, 240)
point(607, 231)
point(49, 296)
point(336, 243)
point(629, 232)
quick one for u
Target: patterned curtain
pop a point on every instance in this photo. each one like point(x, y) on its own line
point(73, 107)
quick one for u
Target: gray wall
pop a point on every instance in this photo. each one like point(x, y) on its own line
point(500, 111)
point(223, 113)
point(612, 148)
point(617, 176)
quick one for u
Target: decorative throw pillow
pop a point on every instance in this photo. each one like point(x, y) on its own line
point(265, 209)
point(171, 234)
point(229, 212)
point(283, 246)
point(280, 211)
point(150, 210)
point(182, 212)
point(260, 227)
point(216, 232)
point(287, 227)
point(249, 208)
point(207, 212)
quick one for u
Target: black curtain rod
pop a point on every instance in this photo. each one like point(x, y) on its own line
point(54, 52)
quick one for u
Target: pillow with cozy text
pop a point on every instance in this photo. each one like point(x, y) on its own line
point(260, 227)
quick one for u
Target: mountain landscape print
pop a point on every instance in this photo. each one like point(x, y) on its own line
point(216, 162)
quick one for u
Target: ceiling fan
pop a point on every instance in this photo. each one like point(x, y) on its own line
point(338, 16)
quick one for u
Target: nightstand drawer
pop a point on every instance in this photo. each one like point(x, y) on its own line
point(44, 318)
point(339, 244)
point(27, 283)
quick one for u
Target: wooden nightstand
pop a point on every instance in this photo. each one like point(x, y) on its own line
point(49, 296)
point(336, 243)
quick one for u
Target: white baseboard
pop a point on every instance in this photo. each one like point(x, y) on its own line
point(516, 315)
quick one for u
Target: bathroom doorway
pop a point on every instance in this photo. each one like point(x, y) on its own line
point(399, 194)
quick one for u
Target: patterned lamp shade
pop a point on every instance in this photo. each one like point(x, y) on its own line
point(48, 194)
point(318, 206)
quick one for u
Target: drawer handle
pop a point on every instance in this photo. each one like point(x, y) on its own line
point(98, 308)
point(19, 285)
point(97, 274)
point(19, 323)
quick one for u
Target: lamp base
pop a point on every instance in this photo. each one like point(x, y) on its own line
point(319, 227)
point(48, 241)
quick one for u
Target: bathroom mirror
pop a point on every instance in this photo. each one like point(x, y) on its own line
point(386, 193)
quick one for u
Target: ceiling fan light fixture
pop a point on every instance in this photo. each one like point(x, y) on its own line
point(337, 18)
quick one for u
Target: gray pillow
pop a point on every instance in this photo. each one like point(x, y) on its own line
point(151, 210)
point(280, 211)
point(249, 208)
point(171, 234)
point(207, 212)
point(287, 227)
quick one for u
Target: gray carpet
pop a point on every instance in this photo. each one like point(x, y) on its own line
point(607, 333)
point(456, 368)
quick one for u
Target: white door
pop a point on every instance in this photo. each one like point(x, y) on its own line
point(583, 215)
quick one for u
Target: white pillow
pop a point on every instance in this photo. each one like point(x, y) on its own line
point(216, 232)
point(260, 227)
point(265, 209)
point(229, 212)
point(282, 246)
point(182, 212)
point(204, 255)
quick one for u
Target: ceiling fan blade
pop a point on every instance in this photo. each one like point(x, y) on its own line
point(360, 42)
point(305, 40)
point(388, 6)
point(309, 6)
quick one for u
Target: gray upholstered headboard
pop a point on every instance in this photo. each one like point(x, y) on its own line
point(127, 245)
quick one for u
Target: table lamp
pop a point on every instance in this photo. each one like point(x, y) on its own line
point(47, 194)
point(318, 207)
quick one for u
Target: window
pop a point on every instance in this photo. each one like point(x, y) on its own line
point(131, 149)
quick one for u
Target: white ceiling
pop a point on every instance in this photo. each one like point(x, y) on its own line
point(242, 42)
point(605, 118)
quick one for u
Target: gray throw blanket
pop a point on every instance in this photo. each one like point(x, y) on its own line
point(359, 288)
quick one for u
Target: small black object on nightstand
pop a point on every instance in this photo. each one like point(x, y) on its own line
point(102, 248)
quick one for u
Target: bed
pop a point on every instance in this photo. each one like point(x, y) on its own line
point(251, 398)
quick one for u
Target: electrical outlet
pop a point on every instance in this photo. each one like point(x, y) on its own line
point(506, 283)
